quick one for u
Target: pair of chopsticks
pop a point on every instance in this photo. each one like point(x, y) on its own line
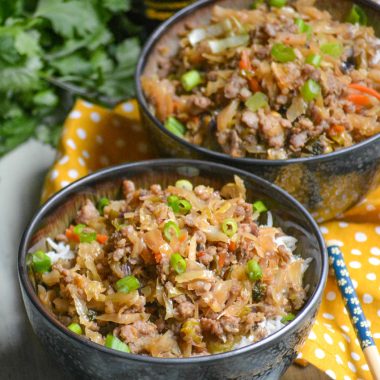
point(354, 308)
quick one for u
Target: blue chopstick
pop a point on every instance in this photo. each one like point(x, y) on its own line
point(354, 308)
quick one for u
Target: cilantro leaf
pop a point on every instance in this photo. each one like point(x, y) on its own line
point(117, 5)
point(69, 17)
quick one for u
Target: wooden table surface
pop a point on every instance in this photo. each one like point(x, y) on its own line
point(21, 355)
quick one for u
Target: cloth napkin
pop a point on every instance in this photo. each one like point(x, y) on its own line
point(94, 137)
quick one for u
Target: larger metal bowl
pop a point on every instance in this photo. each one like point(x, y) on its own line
point(266, 359)
point(326, 185)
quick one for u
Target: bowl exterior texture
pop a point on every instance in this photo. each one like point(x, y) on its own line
point(325, 185)
point(266, 360)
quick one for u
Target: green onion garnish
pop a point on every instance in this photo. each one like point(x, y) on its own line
point(256, 101)
point(84, 237)
point(178, 263)
point(254, 270)
point(127, 284)
point(116, 344)
point(103, 202)
point(191, 79)
point(171, 229)
point(357, 16)
point(282, 53)
point(314, 60)
point(303, 27)
point(75, 327)
point(277, 3)
point(41, 262)
point(259, 206)
point(256, 4)
point(229, 227)
point(334, 49)
point(173, 202)
point(287, 318)
point(184, 184)
point(310, 90)
point(184, 206)
point(174, 126)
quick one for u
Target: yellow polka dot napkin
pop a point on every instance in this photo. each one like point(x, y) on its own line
point(94, 137)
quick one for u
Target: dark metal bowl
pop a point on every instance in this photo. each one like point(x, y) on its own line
point(327, 184)
point(268, 358)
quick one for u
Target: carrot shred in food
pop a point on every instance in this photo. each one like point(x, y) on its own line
point(102, 239)
point(182, 238)
point(221, 260)
point(157, 257)
point(201, 253)
point(71, 235)
point(365, 89)
point(245, 63)
point(254, 85)
point(336, 129)
point(359, 99)
point(232, 246)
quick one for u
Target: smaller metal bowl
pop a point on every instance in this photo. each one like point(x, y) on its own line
point(327, 184)
point(268, 358)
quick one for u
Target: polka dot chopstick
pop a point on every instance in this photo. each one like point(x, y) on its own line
point(354, 308)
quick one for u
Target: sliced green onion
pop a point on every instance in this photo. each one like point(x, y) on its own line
point(257, 101)
point(254, 270)
point(171, 229)
point(75, 327)
point(229, 227)
point(310, 90)
point(314, 60)
point(259, 206)
point(287, 318)
point(103, 202)
point(184, 184)
point(283, 53)
point(218, 46)
point(41, 262)
point(116, 344)
point(277, 3)
point(127, 284)
point(184, 206)
point(191, 79)
point(174, 126)
point(84, 237)
point(256, 4)
point(357, 16)
point(178, 263)
point(303, 27)
point(335, 49)
point(173, 202)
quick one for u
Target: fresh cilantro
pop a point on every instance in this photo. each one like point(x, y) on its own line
point(54, 50)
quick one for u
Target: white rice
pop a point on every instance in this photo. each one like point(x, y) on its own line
point(289, 242)
point(60, 251)
point(269, 325)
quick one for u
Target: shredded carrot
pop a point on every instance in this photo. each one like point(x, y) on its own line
point(201, 253)
point(157, 257)
point(359, 99)
point(182, 238)
point(254, 85)
point(71, 235)
point(245, 63)
point(232, 246)
point(101, 238)
point(365, 89)
point(335, 130)
point(221, 260)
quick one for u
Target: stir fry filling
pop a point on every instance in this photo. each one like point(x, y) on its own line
point(276, 81)
point(174, 272)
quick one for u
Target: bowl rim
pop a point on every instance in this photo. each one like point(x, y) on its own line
point(122, 169)
point(149, 46)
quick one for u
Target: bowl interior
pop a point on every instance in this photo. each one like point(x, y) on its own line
point(166, 41)
point(287, 213)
